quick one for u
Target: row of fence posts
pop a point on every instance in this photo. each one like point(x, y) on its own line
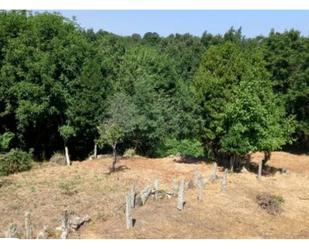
point(13, 232)
point(178, 190)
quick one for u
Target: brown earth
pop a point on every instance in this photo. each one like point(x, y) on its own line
point(85, 188)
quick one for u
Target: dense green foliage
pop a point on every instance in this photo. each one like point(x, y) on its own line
point(183, 148)
point(59, 83)
point(14, 161)
point(253, 120)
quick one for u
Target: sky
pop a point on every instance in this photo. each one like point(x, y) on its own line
point(253, 22)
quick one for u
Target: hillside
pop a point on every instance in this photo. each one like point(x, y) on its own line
point(86, 189)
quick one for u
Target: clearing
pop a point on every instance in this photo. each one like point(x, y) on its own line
point(85, 188)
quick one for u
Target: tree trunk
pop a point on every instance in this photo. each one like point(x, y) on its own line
point(232, 163)
point(95, 150)
point(67, 157)
point(114, 158)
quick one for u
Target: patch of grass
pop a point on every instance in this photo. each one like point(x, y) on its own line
point(5, 182)
point(14, 206)
point(279, 199)
point(68, 188)
point(32, 189)
point(101, 216)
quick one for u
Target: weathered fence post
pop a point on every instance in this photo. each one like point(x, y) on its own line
point(132, 196)
point(213, 175)
point(197, 175)
point(181, 195)
point(28, 226)
point(65, 225)
point(224, 181)
point(260, 170)
point(157, 188)
point(129, 219)
point(200, 187)
point(145, 193)
point(175, 187)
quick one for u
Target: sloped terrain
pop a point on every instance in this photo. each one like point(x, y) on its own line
point(85, 188)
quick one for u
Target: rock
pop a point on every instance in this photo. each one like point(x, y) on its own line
point(75, 222)
point(58, 158)
point(43, 234)
point(12, 232)
point(244, 170)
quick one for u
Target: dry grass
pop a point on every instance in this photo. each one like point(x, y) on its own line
point(85, 188)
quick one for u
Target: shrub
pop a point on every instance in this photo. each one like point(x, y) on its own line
point(185, 147)
point(15, 161)
point(271, 203)
point(5, 140)
point(68, 188)
point(129, 152)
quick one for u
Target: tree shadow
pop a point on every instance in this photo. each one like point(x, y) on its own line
point(245, 162)
point(266, 170)
point(190, 160)
point(117, 169)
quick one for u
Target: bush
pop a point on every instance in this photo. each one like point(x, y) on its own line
point(185, 147)
point(15, 161)
point(129, 153)
point(271, 203)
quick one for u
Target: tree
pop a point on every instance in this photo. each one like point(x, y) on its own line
point(222, 67)
point(254, 120)
point(287, 57)
point(111, 133)
point(122, 120)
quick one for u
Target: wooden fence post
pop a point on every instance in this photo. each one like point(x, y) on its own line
point(157, 188)
point(175, 187)
point(259, 176)
point(213, 175)
point(28, 226)
point(200, 187)
point(65, 225)
point(224, 181)
point(129, 219)
point(181, 195)
point(197, 175)
point(132, 196)
point(145, 193)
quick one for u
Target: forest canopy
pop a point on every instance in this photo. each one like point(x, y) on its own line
point(222, 93)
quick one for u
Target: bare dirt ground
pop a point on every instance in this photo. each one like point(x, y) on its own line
point(85, 188)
